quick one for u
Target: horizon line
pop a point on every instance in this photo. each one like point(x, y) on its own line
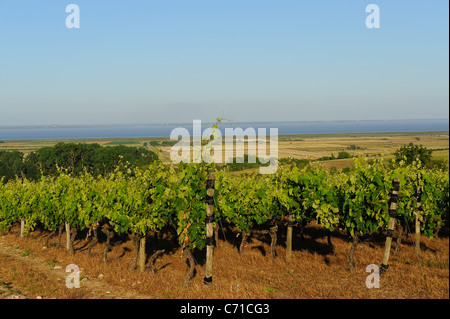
point(49, 126)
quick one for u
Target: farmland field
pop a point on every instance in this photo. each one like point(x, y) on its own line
point(310, 146)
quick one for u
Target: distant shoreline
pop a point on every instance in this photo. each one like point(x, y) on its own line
point(69, 126)
point(164, 130)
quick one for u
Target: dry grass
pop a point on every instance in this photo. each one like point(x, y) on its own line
point(315, 146)
point(317, 270)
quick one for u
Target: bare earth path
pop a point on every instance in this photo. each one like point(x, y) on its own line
point(18, 270)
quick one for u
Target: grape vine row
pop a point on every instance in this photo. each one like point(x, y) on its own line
point(136, 201)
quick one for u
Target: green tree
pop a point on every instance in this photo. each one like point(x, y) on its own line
point(410, 153)
point(78, 157)
point(11, 164)
point(342, 155)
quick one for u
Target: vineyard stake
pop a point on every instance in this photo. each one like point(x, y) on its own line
point(67, 236)
point(22, 227)
point(392, 215)
point(418, 211)
point(289, 239)
point(209, 227)
point(22, 221)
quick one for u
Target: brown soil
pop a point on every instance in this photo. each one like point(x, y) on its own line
point(28, 269)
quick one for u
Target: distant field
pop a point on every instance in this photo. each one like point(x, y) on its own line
point(441, 155)
point(302, 146)
point(128, 143)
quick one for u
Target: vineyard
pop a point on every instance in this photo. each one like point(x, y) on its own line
point(135, 202)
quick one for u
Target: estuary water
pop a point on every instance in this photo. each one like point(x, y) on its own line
point(164, 130)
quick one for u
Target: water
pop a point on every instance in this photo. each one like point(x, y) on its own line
point(284, 128)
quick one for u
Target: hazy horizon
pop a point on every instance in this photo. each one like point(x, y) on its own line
point(224, 123)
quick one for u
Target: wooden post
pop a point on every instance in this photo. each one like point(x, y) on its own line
point(209, 227)
point(390, 230)
point(67, 236)
point(418, 215)
point(22, 227)
point(289, 239)
point(22, 221)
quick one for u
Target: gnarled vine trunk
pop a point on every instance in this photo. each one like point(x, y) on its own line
point(142, 253)
point(153, 259)
point(94, 240)
point(108, 231)
point(135, 240)
point(72, 235)
point(60, 232)
point(191, 262)
point(273, 243)
point(351, 259)
point(244, 236)
point(400, 236)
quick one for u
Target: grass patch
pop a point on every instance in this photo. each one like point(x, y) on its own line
point(25, 253)
point(52, 263)
point(440, 155)
point(438, 264)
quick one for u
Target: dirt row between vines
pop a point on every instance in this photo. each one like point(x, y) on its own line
point(29, 269)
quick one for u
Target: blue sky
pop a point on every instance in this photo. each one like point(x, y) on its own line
point(164, 61)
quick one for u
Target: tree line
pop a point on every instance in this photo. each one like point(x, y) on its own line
point(76, 158)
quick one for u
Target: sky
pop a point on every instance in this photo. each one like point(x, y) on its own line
point(172, 61)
